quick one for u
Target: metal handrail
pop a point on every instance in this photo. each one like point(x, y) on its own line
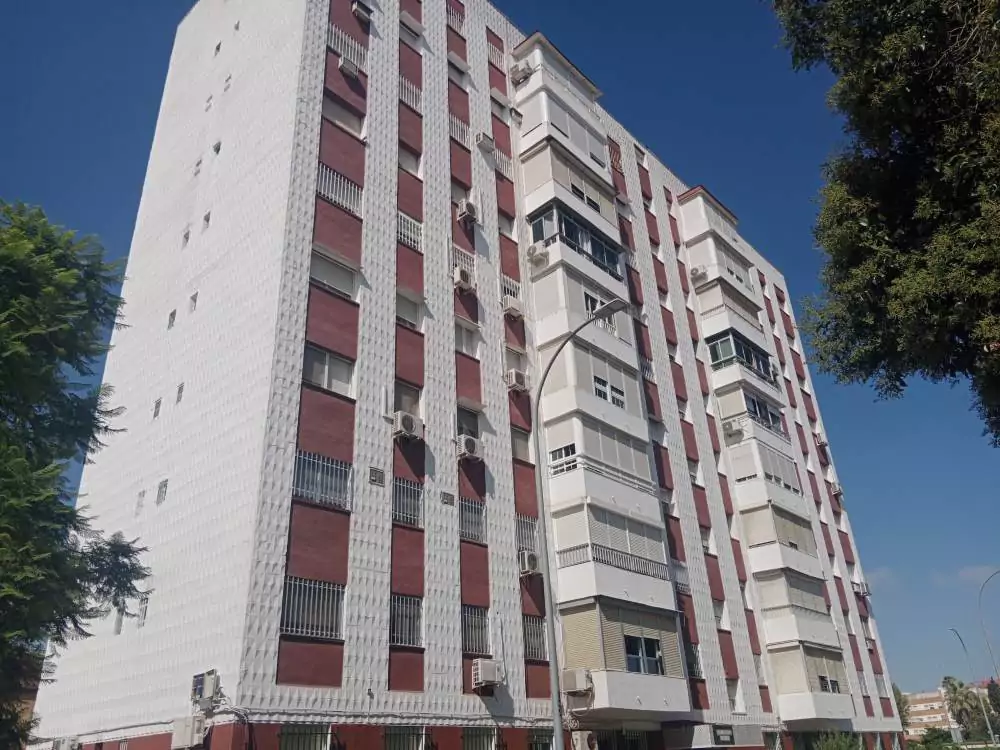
point(598, 553)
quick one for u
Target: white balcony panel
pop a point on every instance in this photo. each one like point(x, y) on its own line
point(783, 625)
point(805, 706)
point(723, 317)
point(556, 326)
point(748, 428)
point(571, 399)
point(626, 696)
point(554, 190)
point(734, 372)
point(590, 579)
point(774, 556)
point(758, 492)
point(580, 478)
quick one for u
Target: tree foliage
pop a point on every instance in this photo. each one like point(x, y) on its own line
point(993, 693)
point(836, 741)
point(909, 211)
point(57, 303)
point(935, 737)
point(902, 704)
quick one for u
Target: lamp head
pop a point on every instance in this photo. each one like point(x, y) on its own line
point(610, 308)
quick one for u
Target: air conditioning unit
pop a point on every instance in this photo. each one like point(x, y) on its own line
point(731, 427)
point(536, 254)
point(520, 73)
point(517, 380)
point(463, 279)
point(484, 141)
point(406, 425)
point(361, 11)
point(467, 211)
point(189, 731)
point(698, 272)
point(528, 562)
point(486, 673)
point(577, 681)
point(348, 68)
point(512, 306)
point(468, 447)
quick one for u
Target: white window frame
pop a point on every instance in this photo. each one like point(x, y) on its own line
point(326, 360)
point(466, 339)
point(617, 396)
point(411, 319)
point(409, 161)
point(339, 113)
point(520, 438)
point(601, 388)
point(330, 282)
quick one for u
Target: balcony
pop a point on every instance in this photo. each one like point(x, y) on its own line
point(572, 399)
point(812, 706)
point(775, 556)
point(628, 696)
point(758, 492)
point(719, 314)
point(744, 426)
point(572, 480)
point(794, 623)
point(735, 370)
point(589, 570)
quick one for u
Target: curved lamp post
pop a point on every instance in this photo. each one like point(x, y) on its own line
point(603, 312)
point(982, 622)
point(979, 695)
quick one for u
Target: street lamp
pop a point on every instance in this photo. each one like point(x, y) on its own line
point(989, 727)
point(603, 312)
point(982, 622)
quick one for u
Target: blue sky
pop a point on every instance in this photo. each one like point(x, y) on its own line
point(707, 87)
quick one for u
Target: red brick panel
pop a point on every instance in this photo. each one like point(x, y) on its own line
point(780, 349)
point(675, 539)
point(409, 460)
point(807, 400)
point(714, 577)
point(826, 537)
point(411, 65)
point(706, 389)
point(475, 574)
point(685, 281)
point(332, 322)
point(625, 230)
point(729, 666)
point(498, 80)
point(821, 451)
point(661, 275)
point(220, 738)
point(406, 669)
point(652, 228)
point(842, 594)
point(536, 678)
point(407, 561)
point(644, 183)
point(326, 424)
point(506, 202)
point(875, 658)
point(887, 712)
point(501, 135)
point(786, 320)
point(855, 652)
point(456, 44)
point(770, 310)
point(310, 663)
point(619, 182)
point(532, 596)
point(411, 129)
point(520, 410)
point(845, 544)
point(713, 433)
point(675, 232)
point(317, 543)
point(413, 7)
point(680, 386)
point(342, 16)
point(652, 396)
point(463, 235)
point(765, 699)
point(472, 479)
point(814, 486)
point(458, 101)
point(686, 605)
point(442, 738)
point(468, 378)
point(692, 324)
point(741, 569)
point(869, 710)
point(337, 230)
point(461, 164)
point(661, 460)
point(634, 285)
point(342, 152)
point(410, 355)
point(862, 603)
point(467, 305)
point(690, 443)
point(409, 270)
point(525, 501)
point(353, 91)
point(514, 332)
point(669, 327)
point(699, 695)
point(752, 631)
point(410, 195)
point(803, 440)
point(701, 506)
point(493, 38)
point(642, 344)
point(510, 263)
point(797, 364)
point(727, 497)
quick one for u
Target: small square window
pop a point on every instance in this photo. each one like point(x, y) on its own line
point(328, 371)
point(601, 388)
point(171, 319)
point(506, 225)
point(407, 312)
point(514, 360)
point(332, 276)
point(409, 161)
point(156, 408)
point(520, 444)
point(468, 422)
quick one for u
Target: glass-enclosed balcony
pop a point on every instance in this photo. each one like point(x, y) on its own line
point(730, 349)
point(555, 224)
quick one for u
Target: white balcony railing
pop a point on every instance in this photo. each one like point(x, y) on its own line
point(459, 130)
point(347, 47)
point(456, 18)
point(510, 287)
point(462, 259)
point(646, 366)
point(598, 553)
point(410, 95)
point(409, 232)
point(505, 165)
point(526, 531)
point(572, 463)
point(323, 480)
point(767, 378)
point(496, 56)
point(339, 190)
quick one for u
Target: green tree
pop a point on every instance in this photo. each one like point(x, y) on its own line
point(935, 738)
point(836, 741)
point(57, 303)
point(908, 216)
point(993, 693)
point(902, 705)
point(964, 706)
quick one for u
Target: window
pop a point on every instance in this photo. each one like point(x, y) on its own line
point(557, 223)
point(706, 539)
point(180, 394)
point(468, 422)
point(459, 193)
point(467, 340)
point(409, 161)
point(143, 611)
point(514, 360)
point(520, 444)
point(478, 738)
point(343, 115)
point(327, 370)
point(407, 502)
point(206, 220)
point(824, 684)
point(193, 302)
point(719, 610)
point(475, 630)
point(506, 225)
point(406, 620)
point(406, 398)
point(735, 696)
point(642, 655)
point(456, 74)
point(140, 501)
point(694, 471)
point(692, 656)
point(779, 468)
point(526, 533)
point(601, 388)
point(560, 453)
point(758, 669)
point(161, 492)
point(591, 304)
point(534, 638)
point(156, 408)
point(407, 312)
point(119, 620)
point(171, 319)
point(737, 271)
point(472, 520)
point(762, 412)
point(731, 347)
point(331, 275)
point(618, 397)
point(312, 609)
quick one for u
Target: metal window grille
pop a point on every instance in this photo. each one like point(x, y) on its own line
point(407, 502)
point(339, 190)
point(304, 737)
point(472, 520)
point(161, 492)
point(693, 659)
point(646, 366)
point(534, 638)
point(462, 259)
point(459, 130)
point(526, 529)
point(409, 232)
point(504, 164)
point(347, 47)
point(322, 480)
point(406, 620)
point(122, 744)
point(313, 609)
point(404, 738)
point(495, 55)
point(456, 18)
point(478, 738)
point(475, 630)
point(410, 95)
point(539, 739)
point(509, 287)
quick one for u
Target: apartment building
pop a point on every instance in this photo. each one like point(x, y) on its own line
point(929, 710)
point(364, 232)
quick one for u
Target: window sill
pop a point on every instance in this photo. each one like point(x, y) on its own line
point(326, 391)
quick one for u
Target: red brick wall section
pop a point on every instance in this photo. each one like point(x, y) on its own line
point(845, 544)
point(765, 700)
point(332, 322)
point(310, 663)
point(353, 91)
point(642, 343)
point(675, 232)
point(660, 271)
point(318, 539)
point(360, 736)
point(699, 695)
point(675, 539)
point(326, 424)
point(506, 202)
point(713, 433)
point(444, 738)
point(652, 395)
point(501, 135)
point(690, 443)
point(342, 152)
point(413, 7)
point(468, 378)
point(467, 305)
point(472, 479)
point(409, 459)
point(498, 80)
point(461, 164)
point(406, 669)
point(456, 44)
point(625, 228)
point(532, 596)
point(703, 378)
point(410, 355)
point(714, 577)
point(410, 195)
point(162, 741)
point(727, 498)
point(741, 570)
point(411, 65)
point(686, 605)
point(475, 575)
point(411, 129)
point(692, 324)
point(652, 228)
point(855, 652)
point(661, 460)
point(644, 183)
point(341, 15)
point(409, 270)
point(458, 101)
point(685, 281)
point(680, 385)
point(752, 631)
point(514, 739)
point(869, 709)
point(509, 261)
point(669, 327)
point(701, 506)
point(634, 286)
point(536, 678)
point(407, 561)
point(337, 230)
point(728, 650)
point(525, 501)
point(520, 410)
